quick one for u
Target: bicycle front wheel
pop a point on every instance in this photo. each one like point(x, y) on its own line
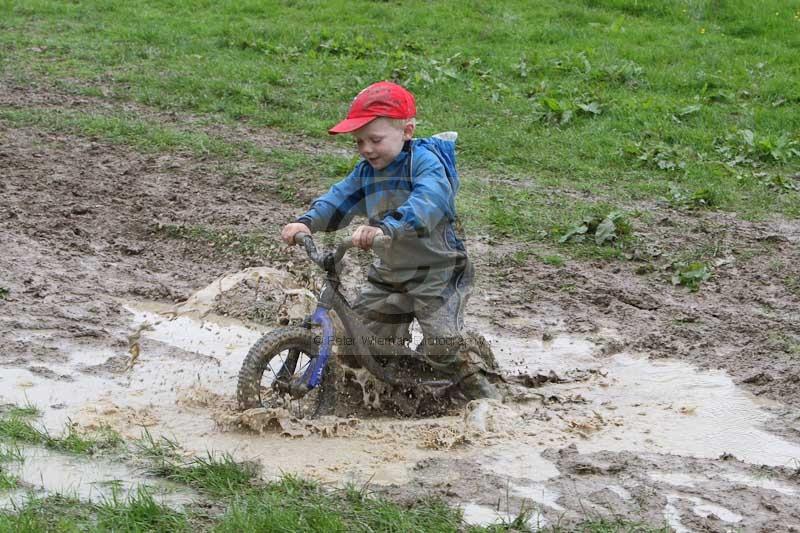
point(277, 360)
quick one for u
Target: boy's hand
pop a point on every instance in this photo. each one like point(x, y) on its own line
point(290, 230)
point(364, 235)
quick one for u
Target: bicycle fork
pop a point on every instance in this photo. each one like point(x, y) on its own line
point(312, 376)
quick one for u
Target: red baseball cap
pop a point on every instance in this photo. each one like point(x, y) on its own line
point(382, 99)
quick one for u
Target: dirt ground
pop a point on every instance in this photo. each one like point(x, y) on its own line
point(84, 227)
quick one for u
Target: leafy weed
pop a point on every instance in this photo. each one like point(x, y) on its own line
point(690, 275)
point(553, 260)
point(746, 147)
point(606, 229)
point(686, 112)
point(555, 111)
point(698, 199)
point(781, 183)
point(626, 73)
point(657, 155)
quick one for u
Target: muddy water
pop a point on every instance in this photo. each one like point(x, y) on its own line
point(46, 471)
point(482, 515)
point(185, 377)
point(700, 508)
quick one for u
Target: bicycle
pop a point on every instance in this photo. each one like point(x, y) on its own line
point(305, 366)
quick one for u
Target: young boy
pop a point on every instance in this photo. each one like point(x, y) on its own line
point(406, 188)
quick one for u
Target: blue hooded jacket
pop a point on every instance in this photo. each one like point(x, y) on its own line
point(412, 200)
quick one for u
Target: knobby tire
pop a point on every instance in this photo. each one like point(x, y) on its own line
point(248, 391)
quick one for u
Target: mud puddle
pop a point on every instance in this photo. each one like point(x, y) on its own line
point(699, 508)
point(182, 382)
point(481, 515)
point(98, 479)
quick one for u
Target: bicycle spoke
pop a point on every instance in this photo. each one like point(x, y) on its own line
point(272, 369)
point(289, 365)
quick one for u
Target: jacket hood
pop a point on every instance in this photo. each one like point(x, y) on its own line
point(443, 146)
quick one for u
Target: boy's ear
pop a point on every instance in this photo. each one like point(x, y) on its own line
point(408, 131)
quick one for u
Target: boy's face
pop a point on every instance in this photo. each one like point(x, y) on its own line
point(380, 141)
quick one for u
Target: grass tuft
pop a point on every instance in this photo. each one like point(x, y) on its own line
point(20, 411)
point(51, 513)
point(139, 511)
point(17, 429)
point(223, 242)
point(10, 454)
point(292, 504)
point(217, 475)
point(160, 449)
point(7, 480)
point(617, 525)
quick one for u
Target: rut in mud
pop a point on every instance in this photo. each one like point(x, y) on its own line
point(99, 239)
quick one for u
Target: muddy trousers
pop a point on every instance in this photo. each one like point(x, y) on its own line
point(388, 310)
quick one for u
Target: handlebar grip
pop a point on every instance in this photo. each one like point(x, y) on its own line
point(345, 244)
point(380, 241)
point(299, 237)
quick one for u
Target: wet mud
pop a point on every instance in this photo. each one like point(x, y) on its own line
point(635, 398)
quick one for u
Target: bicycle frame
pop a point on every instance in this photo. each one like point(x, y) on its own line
point(331, 298)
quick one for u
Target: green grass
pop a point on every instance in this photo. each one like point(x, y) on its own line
point(152, 136)
point(139, 511)
point(216, 475)
point(7, 480)
point(54, 513)
point(286, 505)
point(20, 411)
point(155, 449)
point(17, 429)
point(553, 260)
point(615, 100)
point(290, 504)
point(233, 498)
point(603, 525)
point(10, 454)
point(78, 442)
point(792, 284)
point(219, 475)
point(226, 242)
point(293, 505)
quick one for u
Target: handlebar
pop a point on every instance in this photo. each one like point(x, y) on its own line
point(380, 241)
